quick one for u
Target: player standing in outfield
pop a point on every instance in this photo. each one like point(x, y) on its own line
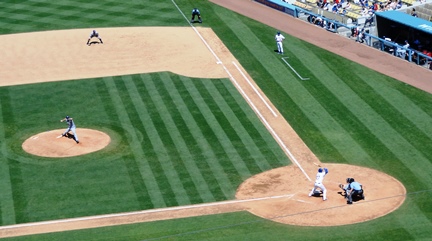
point(319, 183)
point(279, 38)
point(71, 127)
point(196, 12)
point(94, 34)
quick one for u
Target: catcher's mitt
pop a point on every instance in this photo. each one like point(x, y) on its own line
point(341, 185)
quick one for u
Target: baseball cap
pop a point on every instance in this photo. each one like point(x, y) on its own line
point(67, 117)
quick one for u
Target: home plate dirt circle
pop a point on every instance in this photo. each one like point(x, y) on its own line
point(51, 144)
point(282, 196)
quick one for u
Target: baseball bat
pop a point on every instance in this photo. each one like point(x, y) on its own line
point(59, 136)
point(316, 164)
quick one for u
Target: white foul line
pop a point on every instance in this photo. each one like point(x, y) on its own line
point(159, 210)
point(247, 98)
point(256, 91)
point(286, 62)
point(199, 35)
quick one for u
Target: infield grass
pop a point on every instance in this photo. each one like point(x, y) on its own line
point(179, 140)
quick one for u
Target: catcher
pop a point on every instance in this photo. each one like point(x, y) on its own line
point(352, 190)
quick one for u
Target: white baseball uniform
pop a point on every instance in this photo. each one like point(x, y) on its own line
point(279, 38)
point(319, 184)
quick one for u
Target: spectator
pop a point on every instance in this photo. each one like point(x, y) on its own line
point(335, 8)
point(399, 4)
point(365, 12)
point(375, 6)
point(360, 35)
point(354, 32)
point(392, 5)
point(319, 21)
point(348, 5)
point(326, 6)
point(413, 13)
point(370, 19)
point(401, 52)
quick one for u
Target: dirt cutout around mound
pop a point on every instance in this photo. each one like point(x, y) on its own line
point(279, 195)
point(52, 144)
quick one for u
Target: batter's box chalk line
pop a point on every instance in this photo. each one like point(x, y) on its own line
point(286, 62)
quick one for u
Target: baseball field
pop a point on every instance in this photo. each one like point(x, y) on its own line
point(201, 131)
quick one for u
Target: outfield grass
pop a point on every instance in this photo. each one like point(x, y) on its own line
point(179, 140)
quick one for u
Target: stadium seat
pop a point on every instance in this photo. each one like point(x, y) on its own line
point(408, 2)
point(302, 5)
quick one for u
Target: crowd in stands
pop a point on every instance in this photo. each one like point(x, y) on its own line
point(410, 49)
point(368, 9)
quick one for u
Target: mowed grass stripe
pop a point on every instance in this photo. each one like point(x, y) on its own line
point(7, 211)
point(45, 15)
point(394, 118)
point(70, 188)
point(144, 168)
point(245, 146)
point(189, 151)
point(187, 126)
point(19, 196)
point(227, 139)
point(205, 158)
point(160, 137)
point(172, 138)
point(139, 102)
point(419, 219)
point(400, 111)
point(258, 134)
point(404, 104)
point(208, 140)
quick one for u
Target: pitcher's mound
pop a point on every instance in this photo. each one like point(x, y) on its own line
point(51, 144)
point(282, 196)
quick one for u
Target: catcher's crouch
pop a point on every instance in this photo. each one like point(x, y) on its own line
point(352, 190)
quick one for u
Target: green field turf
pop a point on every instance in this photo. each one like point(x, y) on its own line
point(179, 140)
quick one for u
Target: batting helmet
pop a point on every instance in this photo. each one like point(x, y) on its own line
point(67, 117)
point(320, 169)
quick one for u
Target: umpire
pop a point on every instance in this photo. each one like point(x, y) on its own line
point(355, 189)
point(196, 12)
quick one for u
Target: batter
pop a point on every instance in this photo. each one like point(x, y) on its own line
point(319, 183)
